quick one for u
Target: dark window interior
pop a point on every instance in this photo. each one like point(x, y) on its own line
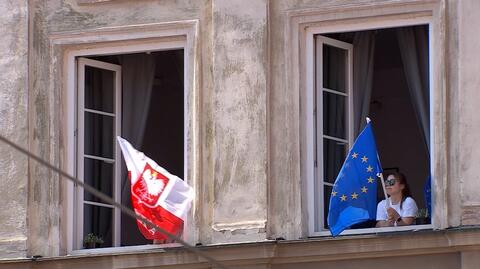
point(400, 141)
point(163, 138)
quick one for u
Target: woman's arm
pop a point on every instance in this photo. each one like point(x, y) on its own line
point(384, 223)
point(400, 222)
point(410, 211)
point(405, 221)
point(382, 215)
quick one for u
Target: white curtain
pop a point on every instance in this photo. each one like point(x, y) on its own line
point(363, 60)
point(413, 42)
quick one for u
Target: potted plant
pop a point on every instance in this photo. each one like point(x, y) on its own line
point(422, 216)
point(92, 241)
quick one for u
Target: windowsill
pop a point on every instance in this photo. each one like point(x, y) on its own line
point(124, 250)
point(319, 235)
point(286, 252)
point(412, 228)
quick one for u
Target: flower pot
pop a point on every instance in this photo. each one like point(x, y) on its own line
point(420, 221)
point(90, 245)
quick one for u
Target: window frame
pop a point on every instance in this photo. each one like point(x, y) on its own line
point(314, 27)
point(318, 124)
point(78, 192)
point(117, 114)
point(66, 46)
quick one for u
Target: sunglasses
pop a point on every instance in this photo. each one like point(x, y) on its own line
point(390, 182)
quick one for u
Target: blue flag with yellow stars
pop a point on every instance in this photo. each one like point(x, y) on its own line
point(427, 195)
point(354, 195)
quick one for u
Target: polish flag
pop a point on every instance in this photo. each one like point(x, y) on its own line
point(157, 195)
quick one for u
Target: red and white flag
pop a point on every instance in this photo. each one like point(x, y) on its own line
point(157, 195)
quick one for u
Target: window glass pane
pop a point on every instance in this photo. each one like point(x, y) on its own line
point(334, 68)
point(334, 115)
point(99, 135)
point(99, 175)
point(98, 220)
point(333, 157)
point(327, 191)
point(99, 89)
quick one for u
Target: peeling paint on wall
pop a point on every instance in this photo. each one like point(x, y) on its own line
point(239, 73)
point(13, 125)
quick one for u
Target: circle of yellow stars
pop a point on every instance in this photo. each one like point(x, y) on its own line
point(364, 189)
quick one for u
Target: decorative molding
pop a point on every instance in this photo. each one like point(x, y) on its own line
point(243, 225)
point(90, 2)
point(329, 8)
point(65, 46)
point(294, 253)
point(12, 239)
point(471, 215)
point(13, 247)
point(330, 18)
point(124, 33)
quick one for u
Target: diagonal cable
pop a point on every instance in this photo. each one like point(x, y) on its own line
point(109, 200)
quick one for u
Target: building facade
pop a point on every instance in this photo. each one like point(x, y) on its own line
point(254, 104)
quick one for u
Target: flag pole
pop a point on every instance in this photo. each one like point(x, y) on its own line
point(381, 178)
point(384, 189)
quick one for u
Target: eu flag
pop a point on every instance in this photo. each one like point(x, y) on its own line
point(354, 195)
point(427, 195)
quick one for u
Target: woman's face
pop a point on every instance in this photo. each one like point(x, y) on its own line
point(394, 189)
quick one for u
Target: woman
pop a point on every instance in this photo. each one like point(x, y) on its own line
point(403, 209)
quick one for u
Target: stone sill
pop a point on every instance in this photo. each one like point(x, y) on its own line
point(279, 252)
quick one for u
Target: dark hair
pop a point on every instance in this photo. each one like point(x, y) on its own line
point(402, 180)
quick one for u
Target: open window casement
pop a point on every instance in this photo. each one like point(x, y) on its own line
point(383, 73)
point(140, 97)
point(333, 124)
point(99, 122)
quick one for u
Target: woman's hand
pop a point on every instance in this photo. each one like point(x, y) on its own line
point(384, 223)
point(392, 214)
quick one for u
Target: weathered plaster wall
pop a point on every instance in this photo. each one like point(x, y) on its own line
point(285, 219)
point(13, 125)
point(454, 106)
point(287, 205)
point(244, 93)
point(287, 213)
point(46, 96)
point(239, 119)
point(467, 121)
point(231, 204)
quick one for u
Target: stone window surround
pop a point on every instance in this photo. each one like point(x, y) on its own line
point(66, 46)
point(300, 29)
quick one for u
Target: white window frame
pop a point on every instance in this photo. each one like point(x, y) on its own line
point(163, 46)
point(316, 192)
point(79, 192)
point(65, 47)
point(352, 25)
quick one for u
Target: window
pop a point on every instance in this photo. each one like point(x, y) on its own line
point(99, 121)
point(383, 74)
point(141, 98)
point(333, 110)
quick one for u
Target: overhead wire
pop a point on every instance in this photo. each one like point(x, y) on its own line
point(114, 203)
